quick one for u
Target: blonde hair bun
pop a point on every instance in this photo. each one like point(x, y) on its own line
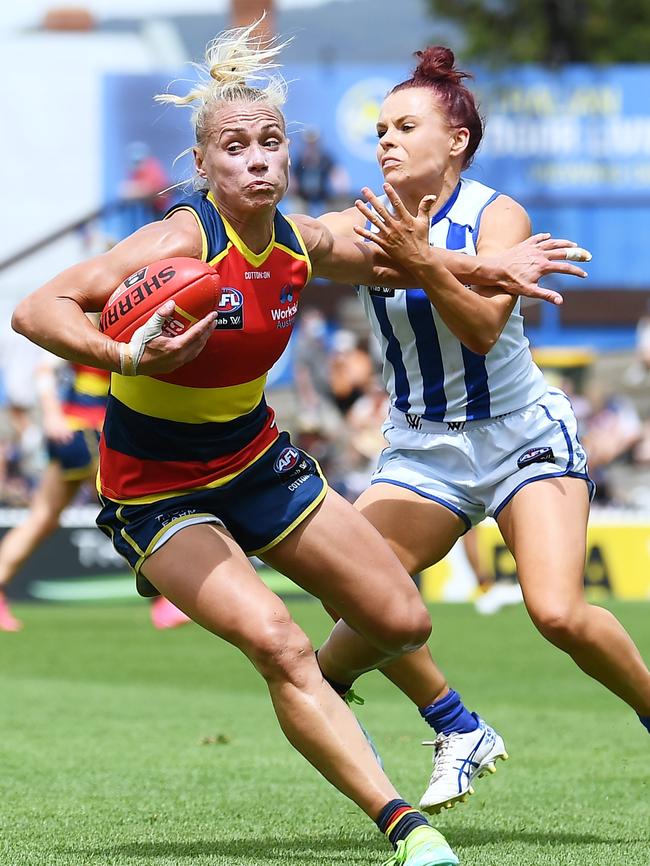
point(237, 64)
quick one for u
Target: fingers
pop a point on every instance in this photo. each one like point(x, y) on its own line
point(545, 295)
point(367, 235)
point(555, 244)
point(396, 202)
point(200, 330)
point(369, 214)
point(577, 254)
point(192, 342)
point(377, 204)
point(167, 309)
point(426, 206)
point(563, 267)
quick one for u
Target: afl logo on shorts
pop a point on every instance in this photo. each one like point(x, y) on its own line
point(286, 460)
point(230, 308)
point(536, 455)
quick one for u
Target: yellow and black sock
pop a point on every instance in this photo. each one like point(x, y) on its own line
point(397, 819)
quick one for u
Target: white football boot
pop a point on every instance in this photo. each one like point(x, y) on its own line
point(457, 760)
point(502, 594)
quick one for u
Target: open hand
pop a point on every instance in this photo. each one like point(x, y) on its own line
point(526, 263)
point(402, 236)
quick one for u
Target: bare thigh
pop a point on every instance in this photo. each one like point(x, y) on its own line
point(545, 527)
point(420, 531)
point(341, 559)
point(205, 573)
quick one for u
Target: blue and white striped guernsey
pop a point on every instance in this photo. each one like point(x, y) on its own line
point(427, 370)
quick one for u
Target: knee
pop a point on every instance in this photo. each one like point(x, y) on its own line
point(406, 629)
point(561, 624)
point(281, 652)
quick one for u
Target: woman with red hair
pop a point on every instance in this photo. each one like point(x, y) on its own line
point(474, 430)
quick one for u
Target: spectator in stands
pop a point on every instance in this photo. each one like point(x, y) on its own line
point(638, 372)
point(317, 177)
point(146, 187)
point(351, 370)
point(316, 410)
point(609, 432)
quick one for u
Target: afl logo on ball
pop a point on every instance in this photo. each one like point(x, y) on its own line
point(286, 460)
point(230, 308)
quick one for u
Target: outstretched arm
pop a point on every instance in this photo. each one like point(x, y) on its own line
point(516, 270)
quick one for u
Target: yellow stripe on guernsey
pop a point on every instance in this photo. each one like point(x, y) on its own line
point(258, 259)
point(181, 403)
point(93, 384)
point(305, 256)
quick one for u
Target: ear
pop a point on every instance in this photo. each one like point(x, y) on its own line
point(198, 161)
point(459, 141)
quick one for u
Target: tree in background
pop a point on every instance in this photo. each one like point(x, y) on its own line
point(551, 31)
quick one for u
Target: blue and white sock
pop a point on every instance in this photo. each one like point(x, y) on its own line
point(449, 715)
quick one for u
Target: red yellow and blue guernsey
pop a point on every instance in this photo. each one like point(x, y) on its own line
point(201, 426)
point(83, 403)
point(83, 400)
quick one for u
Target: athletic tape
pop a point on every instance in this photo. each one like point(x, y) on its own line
point(131, 353)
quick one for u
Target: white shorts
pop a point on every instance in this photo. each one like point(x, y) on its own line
point(474, 468)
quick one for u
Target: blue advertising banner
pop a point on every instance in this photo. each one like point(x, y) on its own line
point(572, 145)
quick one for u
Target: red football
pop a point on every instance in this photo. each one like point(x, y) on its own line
point(193, 286)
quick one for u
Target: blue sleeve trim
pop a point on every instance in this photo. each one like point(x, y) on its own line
point(476, 228)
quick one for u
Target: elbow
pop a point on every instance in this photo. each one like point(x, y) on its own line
point(25, 318)
point(20, 319)
point(480, 344)
point(484, 338)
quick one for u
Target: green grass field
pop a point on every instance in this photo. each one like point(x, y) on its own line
point(121, 745)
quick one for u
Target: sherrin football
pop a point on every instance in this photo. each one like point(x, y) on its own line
point(191, 284)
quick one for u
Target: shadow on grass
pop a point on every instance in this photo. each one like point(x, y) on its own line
point(331, 848)
point(474, 837)
point(335, 849)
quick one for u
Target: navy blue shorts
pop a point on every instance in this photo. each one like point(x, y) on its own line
point(78, 457)
point(259, 508)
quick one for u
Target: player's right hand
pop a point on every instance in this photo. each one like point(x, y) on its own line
point(154, 353)
point(524, 265)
